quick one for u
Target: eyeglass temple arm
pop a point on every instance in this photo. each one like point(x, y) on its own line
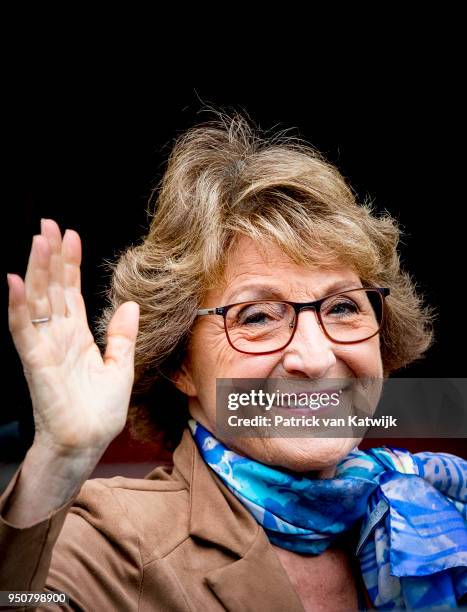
point(209, 311)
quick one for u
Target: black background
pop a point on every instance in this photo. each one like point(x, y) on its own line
point(85, 138)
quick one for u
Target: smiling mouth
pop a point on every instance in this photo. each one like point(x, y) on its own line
point(316, 392)
point(320, 392)
point(298, 408)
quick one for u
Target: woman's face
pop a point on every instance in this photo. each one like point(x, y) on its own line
point(309, 356)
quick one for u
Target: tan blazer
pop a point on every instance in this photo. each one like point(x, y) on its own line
point(174, 541)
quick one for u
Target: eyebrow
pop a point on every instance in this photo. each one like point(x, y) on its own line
point(250, 291)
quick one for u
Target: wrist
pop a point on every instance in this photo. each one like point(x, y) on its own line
point(47, 448)
point(47, 481)
point(62, 463)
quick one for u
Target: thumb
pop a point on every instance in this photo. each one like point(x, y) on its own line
point(121, 335)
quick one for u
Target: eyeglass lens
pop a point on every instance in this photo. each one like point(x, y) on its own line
point(258, 327)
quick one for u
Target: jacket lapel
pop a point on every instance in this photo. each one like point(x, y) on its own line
point(255, 582)
point(255, 579)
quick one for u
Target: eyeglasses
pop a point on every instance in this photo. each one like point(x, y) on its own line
point(266, 326)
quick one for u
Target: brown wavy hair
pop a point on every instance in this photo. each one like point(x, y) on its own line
point(226, 178)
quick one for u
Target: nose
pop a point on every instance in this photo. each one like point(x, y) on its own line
point(310, 352)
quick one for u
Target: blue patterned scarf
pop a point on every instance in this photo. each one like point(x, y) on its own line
point(412, 509)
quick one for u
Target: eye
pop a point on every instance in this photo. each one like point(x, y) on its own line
point(258, 317)
point(260, 314)
point(341, 308)
point(252, 316)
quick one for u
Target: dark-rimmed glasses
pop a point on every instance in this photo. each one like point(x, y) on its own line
point(266, 326)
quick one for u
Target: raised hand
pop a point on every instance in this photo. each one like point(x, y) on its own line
point(80, 399)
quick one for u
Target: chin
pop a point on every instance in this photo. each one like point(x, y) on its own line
point(299, 454)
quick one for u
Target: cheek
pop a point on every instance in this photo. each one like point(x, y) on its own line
point(213, 357)
point(364, 359)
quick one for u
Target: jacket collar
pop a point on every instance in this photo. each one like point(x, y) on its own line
point(255, 579)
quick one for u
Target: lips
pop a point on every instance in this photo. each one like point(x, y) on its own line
point(318, 392)
point(298, 409)
point(306, 387)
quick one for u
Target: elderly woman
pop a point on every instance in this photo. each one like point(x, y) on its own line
point(259, 263)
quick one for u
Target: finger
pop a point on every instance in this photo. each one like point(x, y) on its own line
point(37, 279)
point(71, 256)
point(51, 231)
point(19, 319)
point(121, 336)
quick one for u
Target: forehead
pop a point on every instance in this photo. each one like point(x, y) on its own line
point(248, 264)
